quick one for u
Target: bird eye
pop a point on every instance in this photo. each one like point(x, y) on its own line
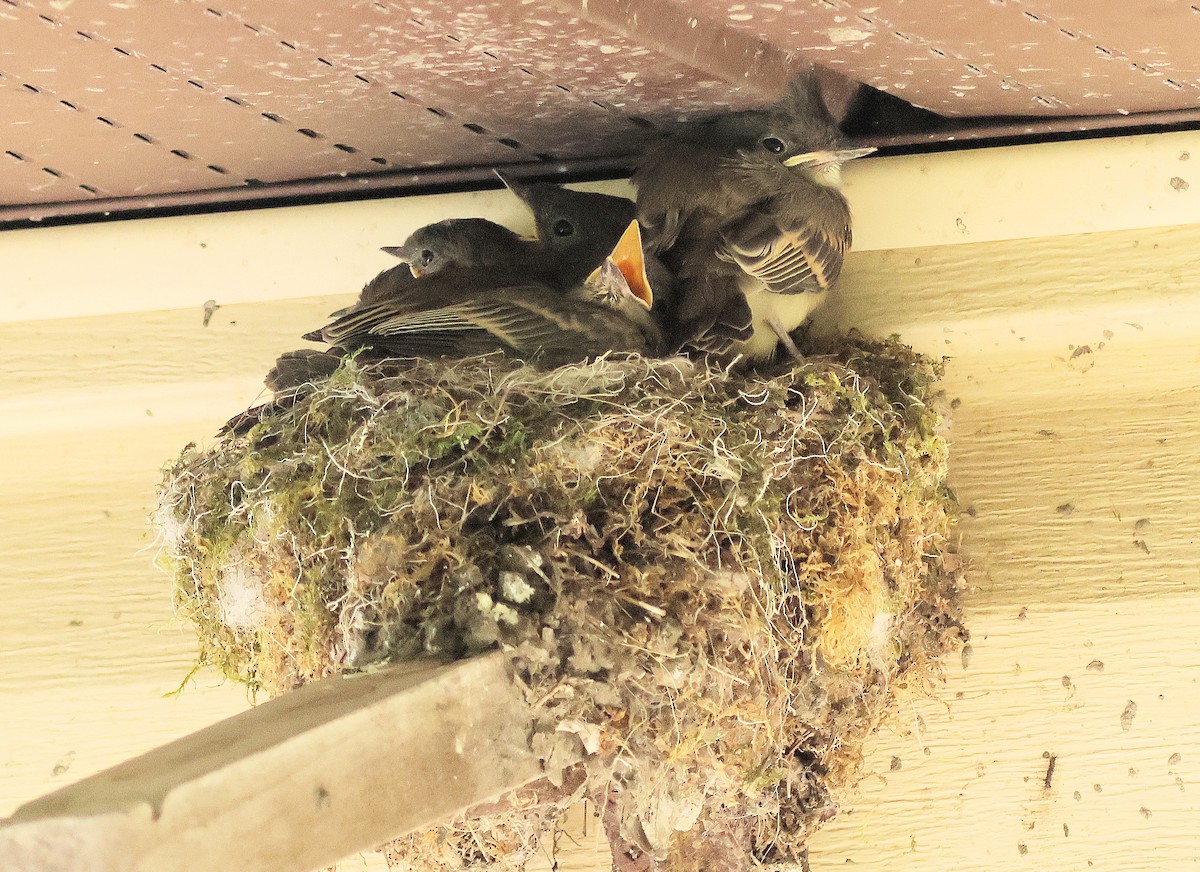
point(425, 258)
point(563, 227)
point(773, 144)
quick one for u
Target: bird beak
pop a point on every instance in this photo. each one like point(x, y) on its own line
point(630, 259)
point(513, 185)
point(845, 154)
point(827, 156)
point(527, 194)
point(402, 253)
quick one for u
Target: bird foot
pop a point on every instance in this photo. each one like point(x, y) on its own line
point(785, 340)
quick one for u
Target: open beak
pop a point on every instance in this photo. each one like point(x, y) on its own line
point(827, 156)
point(629, 258)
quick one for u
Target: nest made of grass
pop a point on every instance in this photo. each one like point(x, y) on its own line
point(711, 581)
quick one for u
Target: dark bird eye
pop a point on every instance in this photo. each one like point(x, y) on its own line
point(773, 144)
point(563, 227)
point(425, 258)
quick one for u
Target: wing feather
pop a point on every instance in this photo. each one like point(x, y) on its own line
point(527, 321)
point(789, 257)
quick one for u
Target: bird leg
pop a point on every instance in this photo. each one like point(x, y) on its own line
point(785, 338)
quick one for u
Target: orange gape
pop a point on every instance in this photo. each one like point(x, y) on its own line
point(631, 261)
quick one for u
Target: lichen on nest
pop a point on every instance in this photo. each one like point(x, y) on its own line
point(710, 581)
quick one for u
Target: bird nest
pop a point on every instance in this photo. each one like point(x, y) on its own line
point(711, 582)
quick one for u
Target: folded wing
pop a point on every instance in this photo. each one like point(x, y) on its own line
point(532, 322)
point(787, 257)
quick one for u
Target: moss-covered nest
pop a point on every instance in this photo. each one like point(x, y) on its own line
point(712, 582)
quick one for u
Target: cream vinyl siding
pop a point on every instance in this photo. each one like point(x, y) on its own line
point(1081, 469)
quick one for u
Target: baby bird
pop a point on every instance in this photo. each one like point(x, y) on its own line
point(463, 312)
point(460, 242)
point(579, 228)
point(747, 210)
point(456, 244)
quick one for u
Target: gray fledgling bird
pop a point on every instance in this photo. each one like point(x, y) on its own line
point(746, 209)
point(575, 232)
point(456, 244)
point(460, 312)
point(579, 228)
point(459, 242)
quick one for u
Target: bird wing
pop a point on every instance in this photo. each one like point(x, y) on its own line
point(661, 229)
point(405, 328)
point(733, 325)
point(707, 301)
point(557, 329)
point(528, 322)
point(788, 257)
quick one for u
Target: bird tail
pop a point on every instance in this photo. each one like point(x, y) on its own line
point(302, 366)
point(291, 378)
